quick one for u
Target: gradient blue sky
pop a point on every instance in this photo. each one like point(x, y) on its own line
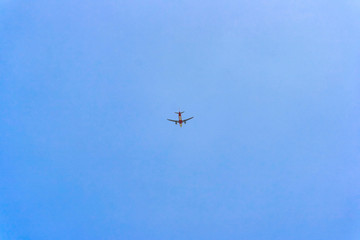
point(272, 153)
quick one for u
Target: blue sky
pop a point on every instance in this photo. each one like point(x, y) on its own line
point(86, 88)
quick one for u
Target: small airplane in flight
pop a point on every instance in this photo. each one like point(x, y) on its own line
point(180, 121)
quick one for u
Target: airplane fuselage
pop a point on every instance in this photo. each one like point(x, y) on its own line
point(180, 119)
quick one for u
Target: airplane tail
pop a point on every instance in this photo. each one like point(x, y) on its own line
point(179, 112)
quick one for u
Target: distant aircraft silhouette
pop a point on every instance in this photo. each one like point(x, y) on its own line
point(180, 121)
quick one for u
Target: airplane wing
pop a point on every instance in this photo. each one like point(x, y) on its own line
point(173, 120)
point(187, 119)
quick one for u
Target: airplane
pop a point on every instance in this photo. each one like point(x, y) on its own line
point(180, 121)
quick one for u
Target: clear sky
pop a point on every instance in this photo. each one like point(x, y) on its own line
point(272, 152)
